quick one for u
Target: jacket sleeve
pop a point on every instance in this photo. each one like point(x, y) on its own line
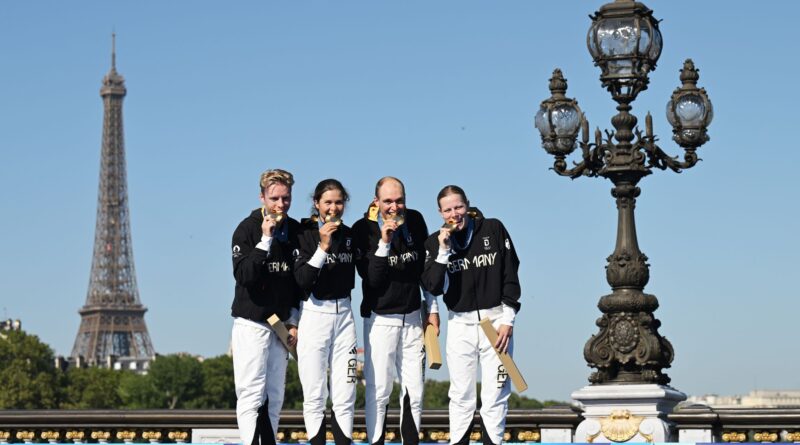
point(360, 239)
point(377, 267)
point(372, 268)
point(248, 262)
point(297, 296)
point(306, 273)
point(510, 263)
point(434, 272)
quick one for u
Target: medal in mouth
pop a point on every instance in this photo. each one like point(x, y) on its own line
point(333, 219)
point(398, 218)
point(451, 226)
point(276, 216)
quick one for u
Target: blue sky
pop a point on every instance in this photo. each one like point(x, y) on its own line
point(434, 93)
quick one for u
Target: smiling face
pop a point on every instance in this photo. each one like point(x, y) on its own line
point(453, 209)
point(330, 203)
point(390, 199)
point(276, 198)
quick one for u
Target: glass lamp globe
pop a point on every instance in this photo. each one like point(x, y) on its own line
point(625, 42)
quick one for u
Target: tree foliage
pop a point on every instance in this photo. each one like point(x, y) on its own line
point(88, 388)
point(177, 378)
point(30, 380)
point(218, 389)
point(27, 372)
point(138, 392)
point(293, 392)
point(435, 396)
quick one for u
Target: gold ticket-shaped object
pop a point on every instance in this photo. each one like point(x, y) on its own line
point(283, 333)
point(505, 359)
point(432, 351)
point(333, 219)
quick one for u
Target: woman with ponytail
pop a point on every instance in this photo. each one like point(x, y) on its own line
point(324, 270)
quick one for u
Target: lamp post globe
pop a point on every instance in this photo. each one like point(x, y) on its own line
point(625, 42)
point(558, 120)
point(689, 110)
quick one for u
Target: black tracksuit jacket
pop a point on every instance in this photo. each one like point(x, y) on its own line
point(265, 284)
point(337, 277)
point(390, 285)
point(481, 276)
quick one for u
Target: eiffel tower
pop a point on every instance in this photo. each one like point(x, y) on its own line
point(113, 332)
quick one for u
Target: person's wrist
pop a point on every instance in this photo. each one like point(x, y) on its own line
point(324, 246)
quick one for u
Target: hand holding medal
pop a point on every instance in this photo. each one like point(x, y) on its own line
point(390, 225)
point(272, 219)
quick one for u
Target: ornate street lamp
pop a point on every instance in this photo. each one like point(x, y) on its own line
point(625, 42)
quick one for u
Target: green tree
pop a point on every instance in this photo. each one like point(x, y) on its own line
point(28, 376)
point(293, 393)
point(177, 377)
point(138, 392)
point(548, 403)
point(219, 391)
point(435, 396)
point(516, 401)
point(95, 388)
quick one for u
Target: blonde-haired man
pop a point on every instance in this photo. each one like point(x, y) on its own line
point(264, 246)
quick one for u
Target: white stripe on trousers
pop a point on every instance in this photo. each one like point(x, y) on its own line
point(259, 372)
point(466, 346)
point(327, 340)
point(389, 350)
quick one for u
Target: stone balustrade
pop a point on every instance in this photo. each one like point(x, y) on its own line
point(695, 424)
point(186, 426)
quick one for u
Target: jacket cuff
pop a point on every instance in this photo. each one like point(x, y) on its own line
point(294, 317)
point(509, 314)
point(383, 249)
point(265, 244)
point(443, 257)
point(431, 302)
point(318, 260)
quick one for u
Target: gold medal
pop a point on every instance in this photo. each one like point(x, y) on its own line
point(399, 219)
point(276, 216)
point(333, 219)
point(451, 226)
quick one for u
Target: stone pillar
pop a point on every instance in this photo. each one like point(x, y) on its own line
point(627, 413)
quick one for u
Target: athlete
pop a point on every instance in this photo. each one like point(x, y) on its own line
point(472, 261)
point(390, 240)
point(264, 245)
point(325, 271)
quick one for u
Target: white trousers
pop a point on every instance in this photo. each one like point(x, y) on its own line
point(389, 351)
point(327, 341)
point(259, 373)
point(466, 346)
